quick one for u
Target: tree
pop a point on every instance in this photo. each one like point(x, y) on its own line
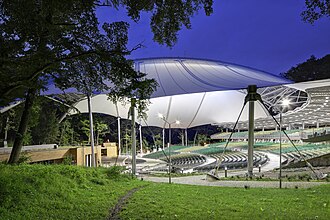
point(316, 9)
point(37, 36)
point(84, 127)
point(40, 37)
point(311, 69)
point(158, 141)
point(202, 139)
point(127, 140)
point(100, 129)
point(66, 133)
point(45, 130)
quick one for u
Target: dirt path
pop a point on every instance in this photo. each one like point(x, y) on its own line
point(114, 212)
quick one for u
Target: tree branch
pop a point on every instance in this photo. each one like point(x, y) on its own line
point(35, 74)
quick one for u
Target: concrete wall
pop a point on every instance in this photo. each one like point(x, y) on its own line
point(109, 150)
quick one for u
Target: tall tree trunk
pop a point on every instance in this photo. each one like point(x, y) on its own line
point(18, 143)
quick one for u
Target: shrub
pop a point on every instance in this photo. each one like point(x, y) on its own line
point(116, 172)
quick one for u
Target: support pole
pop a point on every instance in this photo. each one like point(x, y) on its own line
point(5, 144)
point(251, 138)
point(163, 138)
point(63, 116)
point(133, 136)
point(169, 135)
point(126, 140)
point(140, 130)
point(119, 138)
point(186, 134)
point(170, 164)
point(195, 137)
point(251, 97)
point(91, 129)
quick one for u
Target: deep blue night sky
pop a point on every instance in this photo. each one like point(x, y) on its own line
point(267, 35)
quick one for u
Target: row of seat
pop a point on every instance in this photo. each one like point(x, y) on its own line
point(183, 162)
point(191, 159)
point(293, 157)
point(234, 160)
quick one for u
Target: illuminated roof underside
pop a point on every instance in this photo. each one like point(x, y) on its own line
point(309, 106)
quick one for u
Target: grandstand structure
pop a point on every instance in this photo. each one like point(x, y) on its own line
point(204, 158)
point(308, 109)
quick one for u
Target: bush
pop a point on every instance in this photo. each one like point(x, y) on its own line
point(116, 172)
point(67, 160)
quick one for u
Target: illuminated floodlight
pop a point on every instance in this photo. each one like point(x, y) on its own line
point(286, 102)
point(160, 115)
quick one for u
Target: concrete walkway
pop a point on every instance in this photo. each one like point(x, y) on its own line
point(273, 162)
point(201, 180)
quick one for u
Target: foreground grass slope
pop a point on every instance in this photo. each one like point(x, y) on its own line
point(201, 202)
point(59, 192)
point(69, 192)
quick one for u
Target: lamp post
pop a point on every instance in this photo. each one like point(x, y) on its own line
point(285, 103)
point(161, 116)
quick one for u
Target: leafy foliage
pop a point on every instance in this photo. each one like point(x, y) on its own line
point(47, 128)
point(316, 9)
point(66, 133)
point(45, 41)
point(202, 139)
point(167, 17)
point(311, 69)
point(39, 38)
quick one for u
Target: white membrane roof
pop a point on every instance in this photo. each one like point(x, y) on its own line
point(190, 109)
point(177, 76)
point(193, 91)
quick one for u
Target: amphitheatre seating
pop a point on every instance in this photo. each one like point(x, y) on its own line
point(306, 151)
point(183, 161)
point(210, 150)
point(233, 160)
point(159, 154)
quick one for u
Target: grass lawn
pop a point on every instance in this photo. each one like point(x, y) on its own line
point(70, 192)
point(163, 201)
point(59, 192)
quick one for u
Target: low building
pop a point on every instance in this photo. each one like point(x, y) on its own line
point(51, 154)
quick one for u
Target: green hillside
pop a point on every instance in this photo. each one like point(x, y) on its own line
point(70, 192)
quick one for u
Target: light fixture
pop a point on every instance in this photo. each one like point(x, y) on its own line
point(285, 102)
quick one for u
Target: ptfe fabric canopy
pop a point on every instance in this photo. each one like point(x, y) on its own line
point(195, 92)
point(177, 76)
point(190, 109)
